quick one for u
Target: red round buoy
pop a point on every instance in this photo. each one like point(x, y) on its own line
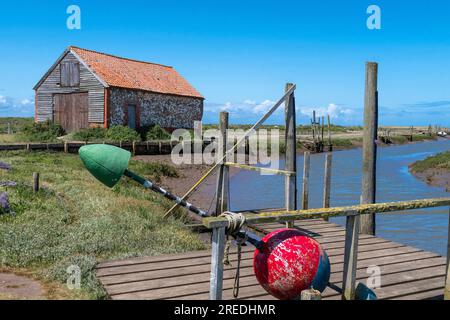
point(290, 262)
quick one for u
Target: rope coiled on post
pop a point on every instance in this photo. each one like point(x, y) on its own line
point(235, 223)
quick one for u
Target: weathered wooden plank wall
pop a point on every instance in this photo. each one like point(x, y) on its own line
point(88, 83)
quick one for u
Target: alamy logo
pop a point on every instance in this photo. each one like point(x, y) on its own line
point(374, 20)
point(74, 20)
point(374, 280)
point(258, 147)
point(74, 279)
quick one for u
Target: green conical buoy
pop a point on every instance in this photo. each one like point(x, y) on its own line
point(106, 163)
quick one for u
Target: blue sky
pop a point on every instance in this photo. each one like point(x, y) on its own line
point(239, 54)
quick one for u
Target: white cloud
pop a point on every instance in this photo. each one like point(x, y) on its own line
point(247, 106)
point(335, 111)
point(249, 111)
point(10, 107)
point(25, 102)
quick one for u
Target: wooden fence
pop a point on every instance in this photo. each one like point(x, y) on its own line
point(137, 148)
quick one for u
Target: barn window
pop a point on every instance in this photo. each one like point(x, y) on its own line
point(70, 74)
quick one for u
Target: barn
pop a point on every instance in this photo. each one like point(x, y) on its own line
point(85, 88)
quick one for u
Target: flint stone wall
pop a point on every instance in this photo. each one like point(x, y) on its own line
point(167, 111)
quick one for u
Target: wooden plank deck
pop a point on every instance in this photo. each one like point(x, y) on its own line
point(406, 272)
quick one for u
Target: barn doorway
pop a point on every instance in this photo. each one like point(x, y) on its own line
point(131, 112)
point(71, 110)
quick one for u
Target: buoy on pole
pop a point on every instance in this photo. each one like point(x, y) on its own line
point(286, 261)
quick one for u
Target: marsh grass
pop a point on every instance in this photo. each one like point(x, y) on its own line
point(74, 219)
point(439, 161)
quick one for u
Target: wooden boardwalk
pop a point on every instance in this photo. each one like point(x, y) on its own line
point(406, 272)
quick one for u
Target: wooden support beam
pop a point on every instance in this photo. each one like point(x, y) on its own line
point(218, 247)
point(327, 181)
point(222, 185)
point(290, 181)
point(447, 276)
point(369, 146)
point(283, 216)
point(350, 257)
point(66, 147)
point(305, 184)
point(259, 169)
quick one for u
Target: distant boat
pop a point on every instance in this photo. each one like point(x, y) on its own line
point(442, 133)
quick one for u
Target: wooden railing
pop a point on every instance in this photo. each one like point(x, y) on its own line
point(352, 213)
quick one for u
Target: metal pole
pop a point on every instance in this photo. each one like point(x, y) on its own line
point(150, 185)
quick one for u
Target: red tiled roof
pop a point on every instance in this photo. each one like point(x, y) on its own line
point(133, 74)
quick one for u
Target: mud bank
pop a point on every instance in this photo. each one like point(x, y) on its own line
point(434, 177)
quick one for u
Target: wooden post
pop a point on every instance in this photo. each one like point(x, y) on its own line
point(447, 276)
point(350, 257)
point(66, 147)
point(305, 184)
point(35, 182)
point(369, 147)
point(217, 254)
point(310, 294)
point(290, 181)
point(322, 129)
point(9, 128)
point(28, 147)
point(330, 146)
point(222, 186)
point(134, 148)
point(327, 181)
point(313, 126)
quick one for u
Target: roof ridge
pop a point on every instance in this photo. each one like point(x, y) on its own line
point(119, 57)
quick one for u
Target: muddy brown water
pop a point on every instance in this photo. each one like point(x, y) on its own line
point(426, 228)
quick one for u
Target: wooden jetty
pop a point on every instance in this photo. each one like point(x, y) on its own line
point(356, 254)
point(406, 272)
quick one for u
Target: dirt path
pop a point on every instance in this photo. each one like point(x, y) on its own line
point(13, 286)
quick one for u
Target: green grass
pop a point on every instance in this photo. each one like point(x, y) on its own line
point(422, 137)
point(398, 139)
point(345, 142)
point(112, 134)
point(9, 138)
point(74, 219)
point(91, 135)
point(17, 124)
point(439, 161)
